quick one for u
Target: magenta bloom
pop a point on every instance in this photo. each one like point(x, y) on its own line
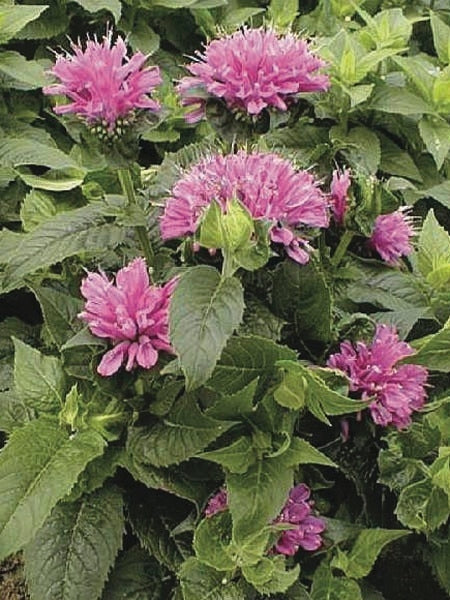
point(218, 503)
point(396, 390)
point(306, 528)
point(250, 70)
point(266, 184)
point(102, 82)
point(391, 236)
point(131, 313)
point(339, 189)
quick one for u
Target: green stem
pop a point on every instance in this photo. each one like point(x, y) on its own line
point(342, 247)
point(228, 267)
point(128, 189)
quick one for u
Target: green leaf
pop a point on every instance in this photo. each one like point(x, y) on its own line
point(15, 152)
point(212, 541)
point(60, 313)
point(37, 208)
point(441, 38)
point(435, 352)
point(228, 229)
point(72, 553)
point(39, 379)
point(435, 134)
point(14, 18)
point(93, 6)
point(237, 457)
point(204, 311)
point(14, 412)
point(370, 542)
point(302, 452)
point(440, 561)
point(302, 296)
point(327, 587)
point(20, 73)
point(283, 12)
point(434, 246)
point(257, 496)
point(412, 504)
point(238, 16)
point(135, 576)
point(270, 576)
point(396, 161)
point(246, 358)
point(38, 467)
point(291, 392)
point(199, 582)
point(143, 38)
point(363, 150)
point(183, 433)
point(236, 406)
point(397, 100)
point(54, 180)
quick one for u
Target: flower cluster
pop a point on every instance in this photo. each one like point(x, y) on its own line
point(391, 236)
point(339, 189)
point(266, 184)
point(395, 391)
point(103, 83)
point(131, 313)
point(250, 70)
point(306, 528)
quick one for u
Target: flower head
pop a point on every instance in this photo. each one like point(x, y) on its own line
point(339, 188)
point(131, 313)
point(266, 184)
point(102, 82)
point(391, 236)
point(250, 70)
point(398, 390)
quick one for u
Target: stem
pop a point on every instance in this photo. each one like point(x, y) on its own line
point(128, 189)
point(228, 267)
point(342, 248)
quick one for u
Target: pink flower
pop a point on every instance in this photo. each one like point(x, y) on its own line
point(266, 184)
point(396, 391)
point(218, 503)
point(252, 69)
point(131, 313)
point(391, 236)
point(102, 82)
point(339, 188)
point(306, 529)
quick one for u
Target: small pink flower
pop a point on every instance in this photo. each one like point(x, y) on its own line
point(398, 390)
point(131, 313)
point(218, 503)
point(339, 188)
point(102, 82)
point(268, 186)
point(391, 236)
point(252, 69)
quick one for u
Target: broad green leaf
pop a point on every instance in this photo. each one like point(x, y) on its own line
point(396, 161)
point(204, 311)
point(412, 503)
point(440, 561)
point(54, 180)
point(212, 541)
point(237, 457)
point(302, 296)
point(435, 134)
point(37, 208)
point(441, 38)
point(72, 553)
point(14, 412)
point(238, 16)
point(270, 576)
point(39, 379)
point(135, 576)
point(257, 496)
point(97, 472)
point(244, 359)
point(441, 91)
point(143, 38)
point(291, 392)
point(183, 433)
point(199, 582)
point(93, 6)
point(435, 352)
point(237, 406)
point(433, 245)
point(370, 542)
point(419, 71)
point(60, 313)
point(398, 100)
point(302, 452)
point(14, 18)
point(388, 28)
point(19, 73)
point(283, 12)
point(359, 93)
point(17, 151)
point(363, 150)
point(38, 467)
point(50, 24)
point(327, 587)
point(259, 320)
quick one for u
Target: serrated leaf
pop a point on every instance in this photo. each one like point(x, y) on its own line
point(283, 12)
point(441, 38)
point(60, 313)
point(20, 73)
point(14, 18)
point(270, 576)
point(72, 553)
point(237, 457)
point(199, 582)
point(327, 587)
point(54, 180)
point(37, 208)
point(435, 134)
point(212, 541)
point(245, 358)
point(399, 101)
point(435, 352)
point(204, 311)
point(238, 16)
point(14, 412)
point(183, 433)
point(302, 452)
point(135, 576)
point(93, 6)
point(363, 150)
point(15, 152)
point(38, 467)
point(433, 245)
point(39, 379)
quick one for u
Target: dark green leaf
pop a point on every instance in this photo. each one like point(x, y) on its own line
point(135, 576)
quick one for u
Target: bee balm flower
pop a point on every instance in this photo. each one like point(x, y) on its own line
point(339, 188)
point(131, 313)
point(391, 236)
point(103, 84)
point(266, 184)
point(250, 70)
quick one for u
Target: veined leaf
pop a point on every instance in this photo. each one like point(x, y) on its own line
point(20, 73)
point(441, 38)
point(433, 246)
point(270, 576)
point(14, 18)
point(60, 313)
point(17, 151)
point(71, 554)
point(204, 311)
point(200, 582)
point(237, 457)
point(435, 134)
point(93, 6)
point(39, 466)
point(435, 352)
